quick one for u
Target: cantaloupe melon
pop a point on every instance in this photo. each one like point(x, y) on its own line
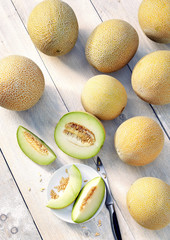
point(154, 19)
point(53, 27)
point(111, 45)
point(104, 96)
point(148, 201)
point(139, 140)
point(151, 78)
point(21, 83)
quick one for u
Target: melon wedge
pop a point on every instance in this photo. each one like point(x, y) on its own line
point(71, 192)
point(89, 200)
point(34, 148)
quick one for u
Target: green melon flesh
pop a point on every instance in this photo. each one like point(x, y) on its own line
point(71, 192)
point(89, 200)
point(34, 147)
point(71, 143)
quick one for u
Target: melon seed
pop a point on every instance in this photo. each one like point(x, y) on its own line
point(76, 131)
point(89, 195)
point(37, 145)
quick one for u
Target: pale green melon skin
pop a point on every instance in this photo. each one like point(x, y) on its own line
point(95, 201)
point(71, 192)
point(30, 152)
point(80, 118)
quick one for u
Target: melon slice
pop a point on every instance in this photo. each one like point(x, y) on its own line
point(79, 135)
point(34, 147)
point(89, 200)
point(71, 191)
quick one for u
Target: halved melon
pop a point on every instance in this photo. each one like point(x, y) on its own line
point(34, 148)
point(89, 200)
point(71, 191)
point(79, 134)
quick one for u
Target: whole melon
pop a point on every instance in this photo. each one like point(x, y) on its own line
point(154, 19)
point(139, 140)
point(148, 201)
point(21, 83)
point(104, 96)
point(111, 45)
point(53, 27)
point(151, 78)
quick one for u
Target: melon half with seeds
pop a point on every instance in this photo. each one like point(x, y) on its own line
point(21, 83)
point(34, 148)
point(79, 134)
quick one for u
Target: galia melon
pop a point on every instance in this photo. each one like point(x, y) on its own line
point(53, 27)
point(79, 134)
point(89, 200)
point(34, 148)
point(139, 140)
point(71, 191)
point(154, 19)
point(104, 96)
point(21, 83)
point(111, 45)
point(151, 78)
point(148, 201)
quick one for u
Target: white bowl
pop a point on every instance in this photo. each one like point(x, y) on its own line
point(87, 173)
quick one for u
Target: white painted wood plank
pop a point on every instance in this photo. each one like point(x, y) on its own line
point(41, 119)
point(15, 220)
point(69, 74)
point(128, 11)
point(75, 60)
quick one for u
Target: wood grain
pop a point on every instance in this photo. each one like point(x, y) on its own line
point(128, 11)
point(15, 220)
point(65, 78)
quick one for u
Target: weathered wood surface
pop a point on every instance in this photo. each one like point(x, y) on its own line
point(128, 11)
point(15, 220)
point(65, 78)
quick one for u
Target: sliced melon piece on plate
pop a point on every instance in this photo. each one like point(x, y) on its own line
point(34, 148)
point(79, 135)
point(71, 191)
point(89, 200)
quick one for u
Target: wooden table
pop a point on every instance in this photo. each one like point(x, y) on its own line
point(23, 215)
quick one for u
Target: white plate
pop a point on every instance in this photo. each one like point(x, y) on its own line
point(87, 173)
